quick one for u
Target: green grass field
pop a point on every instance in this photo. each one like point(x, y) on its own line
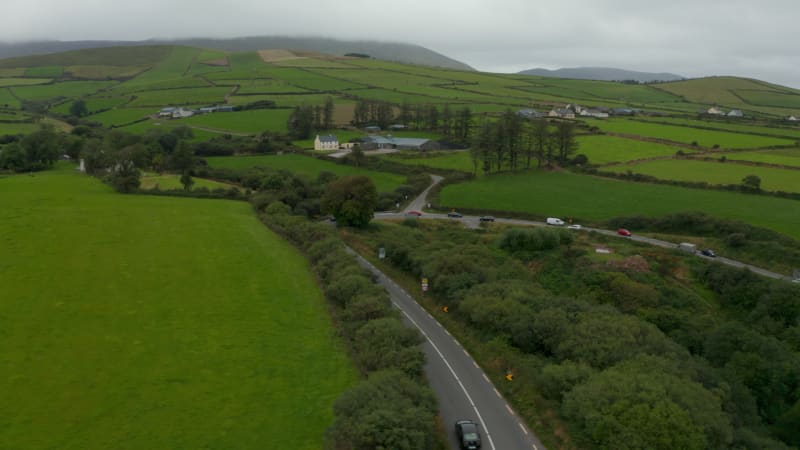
point(94, 104)
point(307, 166)
point(139, 322)
point(67, 89)
point(252, 122)
point(562, 194)
point(609, 149)
point(121, 116)
point(772, 179)
point(7, 100)
point(5, 82)
point(168, 182)
point(189, 96)
point(687, 135)
point(17, 128)
point(45, 71)
point(793, 133)
point(444, 160)
point(786, 157)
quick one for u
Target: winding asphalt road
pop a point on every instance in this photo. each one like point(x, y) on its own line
point(463, 389)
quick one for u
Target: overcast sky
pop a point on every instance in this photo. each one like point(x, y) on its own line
point(754, 38)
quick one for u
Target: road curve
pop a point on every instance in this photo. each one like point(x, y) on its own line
point(463, 389)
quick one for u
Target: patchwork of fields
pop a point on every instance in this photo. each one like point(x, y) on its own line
point(597, 199)
point(307, 166)
point(135, 322)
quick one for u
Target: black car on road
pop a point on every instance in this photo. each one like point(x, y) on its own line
point(487, 219)
point(454, 215)
point(468, 436)
point(708, 252)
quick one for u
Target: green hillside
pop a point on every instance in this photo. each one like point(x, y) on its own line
point(133, 322)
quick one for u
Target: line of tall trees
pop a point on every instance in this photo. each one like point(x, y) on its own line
point(306, 120)
point(513, 143)
point(455, 125)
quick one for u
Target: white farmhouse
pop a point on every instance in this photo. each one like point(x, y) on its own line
point(326, 142)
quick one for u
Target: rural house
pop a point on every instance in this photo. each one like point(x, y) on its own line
point(792, 119)
point(715, 111)
point(736, 113)
point(326, 142)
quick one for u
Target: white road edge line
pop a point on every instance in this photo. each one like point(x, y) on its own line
point(524, 430)
point(510, 411)
point(453, 372)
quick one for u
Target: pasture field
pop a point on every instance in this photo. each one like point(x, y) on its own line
point(770, 98)
point(787, 132)
point(17, 128)
point(142, 55)
point(15, 72)
point(609, 149)
point(67, 89)
point(44, 71)
point(786, 157)
point(307, 166)
point(314, 63)
point(178, 83)
point(6, 82)
point(133, 322)
point(312, 80)
point(595, 199)
point(453, 160)
point(772, 179)
point(264, 86)
point(393, 96)
point(121, 116)
point(687, 135)
point(93, 104)
point(252, 122)
point(725, 91)
point(7, 99)
point(171, 67)
point(191, 96)
point(169, 182)
point(100, 72)
point(166, 125)
point(289, 100)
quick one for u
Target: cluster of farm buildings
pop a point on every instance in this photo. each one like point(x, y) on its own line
point(375, 142)
point(178, 112)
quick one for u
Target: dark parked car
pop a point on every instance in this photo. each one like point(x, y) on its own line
point(468, 435)
point(624, 232)
point(708, 252)
point(487, 219)
point(454, 215)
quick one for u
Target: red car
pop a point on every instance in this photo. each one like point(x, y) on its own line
point(624, 232)
point(414, 213)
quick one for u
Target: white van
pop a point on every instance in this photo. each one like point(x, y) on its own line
point(554, 221)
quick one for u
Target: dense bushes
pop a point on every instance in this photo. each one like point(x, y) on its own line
point(393, 408)
point(632, 357)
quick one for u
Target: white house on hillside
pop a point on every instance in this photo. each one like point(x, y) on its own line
point(327, 142)
point(736, 113)
point(792, 119)
point(715, 111)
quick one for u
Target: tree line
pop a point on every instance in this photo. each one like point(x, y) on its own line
point(514, 143)
point(455, 124)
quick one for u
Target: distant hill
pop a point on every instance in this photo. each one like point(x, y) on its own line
point(603, 74)
point(389, 51)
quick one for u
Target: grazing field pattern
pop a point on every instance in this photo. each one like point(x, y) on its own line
point(307, 166)
point(141, 322)
point(560, 194)
point(772, 179)
point(687, 135)
point(608, 149)
point(785, 157)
